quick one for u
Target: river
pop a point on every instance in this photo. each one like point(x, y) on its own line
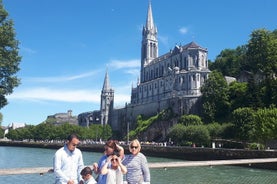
point(19, 157)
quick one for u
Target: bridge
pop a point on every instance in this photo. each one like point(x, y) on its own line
point(45, 170)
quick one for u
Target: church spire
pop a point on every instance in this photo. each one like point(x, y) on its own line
point(107, 99)
point(106, 85)
point(149, 44)
point(149, 19)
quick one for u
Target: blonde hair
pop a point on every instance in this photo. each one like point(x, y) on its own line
point(136, 141)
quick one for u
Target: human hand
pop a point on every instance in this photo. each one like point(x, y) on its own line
point(70, 182)
point(109, 159)
point(119, 159)
point(95, 167)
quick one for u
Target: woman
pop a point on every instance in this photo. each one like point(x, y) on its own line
point(116, 170)
point(137, 166)
point(111, 147)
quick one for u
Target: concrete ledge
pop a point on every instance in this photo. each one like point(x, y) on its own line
point(45, 170)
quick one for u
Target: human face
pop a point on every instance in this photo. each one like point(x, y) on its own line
point(114, 160)
point(134, 148)
point(108, 150)
point(71, 145)
point(86, 177)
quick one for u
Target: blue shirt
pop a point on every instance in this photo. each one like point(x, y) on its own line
point(102, 178)
point(68, 165)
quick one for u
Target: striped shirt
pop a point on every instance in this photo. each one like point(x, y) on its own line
point(137, 168)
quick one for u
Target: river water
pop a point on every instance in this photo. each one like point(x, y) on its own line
point(20, 157)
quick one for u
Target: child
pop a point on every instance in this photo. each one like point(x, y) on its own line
point(86, 174)
point(116, 170)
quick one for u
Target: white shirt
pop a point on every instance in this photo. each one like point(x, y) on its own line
point(68, 165)
point(114, 176)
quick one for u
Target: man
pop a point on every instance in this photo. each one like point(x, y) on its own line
point(68, 162)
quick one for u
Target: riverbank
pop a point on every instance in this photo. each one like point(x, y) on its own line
point(183, 153)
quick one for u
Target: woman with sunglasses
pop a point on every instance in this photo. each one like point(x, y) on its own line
point(137, 166)
point(111, 147)
point(115, 171)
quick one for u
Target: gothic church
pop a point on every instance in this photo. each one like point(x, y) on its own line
point(172, 80)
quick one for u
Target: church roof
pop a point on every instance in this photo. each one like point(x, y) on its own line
point(191, 45)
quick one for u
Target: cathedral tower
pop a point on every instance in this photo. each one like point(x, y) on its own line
point(107, 100)
point(149, 45)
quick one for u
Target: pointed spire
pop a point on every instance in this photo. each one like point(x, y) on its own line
point(106, 84)
point(149, 19)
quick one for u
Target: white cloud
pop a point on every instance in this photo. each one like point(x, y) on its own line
point(183, 30)
point(121, 99)
point(118, 64)
point(47, 94)
point(66, 95)
point(133, 72)
point(61, 78)
point(28, 50)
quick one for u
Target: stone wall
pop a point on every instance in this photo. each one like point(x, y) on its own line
point(121, 117)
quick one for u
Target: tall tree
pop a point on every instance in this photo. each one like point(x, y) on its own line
point(215, 97)
point(262, 53)
point(228, 62)
point(9, 57)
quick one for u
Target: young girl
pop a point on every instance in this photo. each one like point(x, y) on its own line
point(115, 171)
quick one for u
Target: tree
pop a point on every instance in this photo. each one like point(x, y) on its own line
point(243, 119)
point(190, 120)
point(266, 125)
point(228, 62)
point(1, 119)
point(238, 94)
point(215, 97)
point(261, 54)
point(9, 57)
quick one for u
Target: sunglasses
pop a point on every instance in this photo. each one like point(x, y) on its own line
point(114, 159)
point(132, 147)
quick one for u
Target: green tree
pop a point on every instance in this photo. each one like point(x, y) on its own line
point(176, 134)
point(243, 119)
point(228, 62)
point(266, 125)
point(261, 54)
point(190, 120)
point(9, 57)
point(197, 134)
point(215, 97)
point(1, 119)
point(238, 94)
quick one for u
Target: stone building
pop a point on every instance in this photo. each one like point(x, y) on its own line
point(172, 80)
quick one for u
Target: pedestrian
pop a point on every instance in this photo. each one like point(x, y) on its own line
point(136, 163)
point(111, 147)
point(86, 174)
point(68, 162)
point(115, 171)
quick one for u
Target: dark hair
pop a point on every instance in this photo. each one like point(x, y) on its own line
point(85, 171)
point(111, 144)
point(71, 136)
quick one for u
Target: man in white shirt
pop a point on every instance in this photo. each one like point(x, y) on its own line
point(68, 162)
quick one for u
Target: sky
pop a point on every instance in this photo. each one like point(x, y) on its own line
point(68, 45)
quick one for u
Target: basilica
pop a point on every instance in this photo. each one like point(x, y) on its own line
point(172, 80)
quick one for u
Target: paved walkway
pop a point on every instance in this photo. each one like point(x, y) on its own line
point(45, 170)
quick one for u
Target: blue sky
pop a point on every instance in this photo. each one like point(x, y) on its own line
point(67, 45)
